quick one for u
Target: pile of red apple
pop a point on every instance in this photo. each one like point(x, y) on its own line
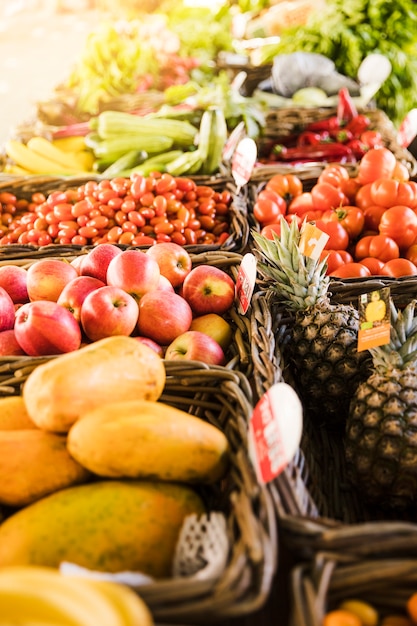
point(54, 305)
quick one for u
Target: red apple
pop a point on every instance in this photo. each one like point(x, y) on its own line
point(7, 310)
point(96, 262)
point(9, 345)
point(108, 311)
point(215, 326)
point(174, 261)
point(77, 261)
point(163, 315)
point(133, 271)
point(164, 284)
point(195, 346)
point(209, 289)
point(45, 328)
point(151, 343)
point(75, 292)
point(13, 278)
point(46, 278)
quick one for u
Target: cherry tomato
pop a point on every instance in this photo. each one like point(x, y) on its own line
point(338, 236)
point(351, 270)
point(376, 163)
point(399, 223)
point(326, 196)
point(399, 267)
point(379, 246)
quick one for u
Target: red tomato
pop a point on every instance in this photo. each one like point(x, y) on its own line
point(376, 163)
point(371, 138)
point(399, 267)
point(350, 188)
point(411, 253)
point(286, 185)
point(338, 236)
point(351, 217)
point(399, 223)
point(268, 230)
point(334, 174)
point(372, 215)
point(363, 197)
point(335, 258)
point(351, 270)
point(268, 206)
point(401, 172)
point(300, 204)
point(373, 264)
point(326, 196)
point(379, 246)
point(388, 192)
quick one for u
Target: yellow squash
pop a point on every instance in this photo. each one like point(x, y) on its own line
point(57, 392)
point(108, 526)
point(142, 439)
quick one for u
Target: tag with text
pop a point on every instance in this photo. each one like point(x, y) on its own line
point(243, 161)
point(245, 282)
point(374, 319)
point(312, 241)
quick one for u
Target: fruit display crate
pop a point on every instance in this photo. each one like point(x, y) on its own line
point(384, 582)
point(238, 354)
point(281, 123)
point(23, 187)
point(239, 584)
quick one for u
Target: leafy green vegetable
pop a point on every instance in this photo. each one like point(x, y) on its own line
point(347, 32)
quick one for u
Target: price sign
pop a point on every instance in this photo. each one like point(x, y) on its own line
point(312, 241)
point(275, 431)
point(374, 319)
point(243, 161)
point(245, 281)
point(235, 137)
point(408, 129)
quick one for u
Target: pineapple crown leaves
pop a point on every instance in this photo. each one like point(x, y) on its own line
point(401, 351)
point(298, 280)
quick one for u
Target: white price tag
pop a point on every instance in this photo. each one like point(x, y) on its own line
point(275, 431)
point(235, 137)
point(245, 282)
point(243, 161)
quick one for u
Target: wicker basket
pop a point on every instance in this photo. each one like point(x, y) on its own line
point(385, 582)
point(223, 398)
point(281, 123)
point(24, 186)
point(238, 355)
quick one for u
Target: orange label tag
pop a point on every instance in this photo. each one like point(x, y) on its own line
point(312, 241)
point(374, 319)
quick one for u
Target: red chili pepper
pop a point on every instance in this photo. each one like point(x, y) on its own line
point(346, 109)
point(358, 124)
point(342, 136)
point(330, 123)
point(309, 138)
point(357, 147)
point(319, 151)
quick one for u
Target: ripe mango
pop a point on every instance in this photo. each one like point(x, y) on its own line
point(143, 439)
point(107, 526)
point(13, 414)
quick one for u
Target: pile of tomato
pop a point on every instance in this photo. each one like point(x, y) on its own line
point(131, 211)
point(370, 218)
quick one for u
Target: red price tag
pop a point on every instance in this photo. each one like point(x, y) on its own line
point(275, 431)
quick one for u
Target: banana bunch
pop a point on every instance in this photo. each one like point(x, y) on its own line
point(62, 157)
point(31, 595)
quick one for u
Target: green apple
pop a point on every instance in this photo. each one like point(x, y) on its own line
point(215, 326)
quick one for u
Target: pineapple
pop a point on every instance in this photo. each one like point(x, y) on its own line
point(322, 348)
point(381, 430)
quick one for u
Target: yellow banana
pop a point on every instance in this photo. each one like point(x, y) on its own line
point(46, 149)
point(70, 144)
point(133, 609)
point(32, 161)
point(11, 168)
point(43, 593)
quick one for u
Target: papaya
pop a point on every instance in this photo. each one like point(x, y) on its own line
point(13, 414)
point(109, 526)
point(33, 464)
point(144, 439)
point(111, 369)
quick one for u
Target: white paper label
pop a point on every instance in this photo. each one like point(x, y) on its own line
point(245, 282)
point(243, 161)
